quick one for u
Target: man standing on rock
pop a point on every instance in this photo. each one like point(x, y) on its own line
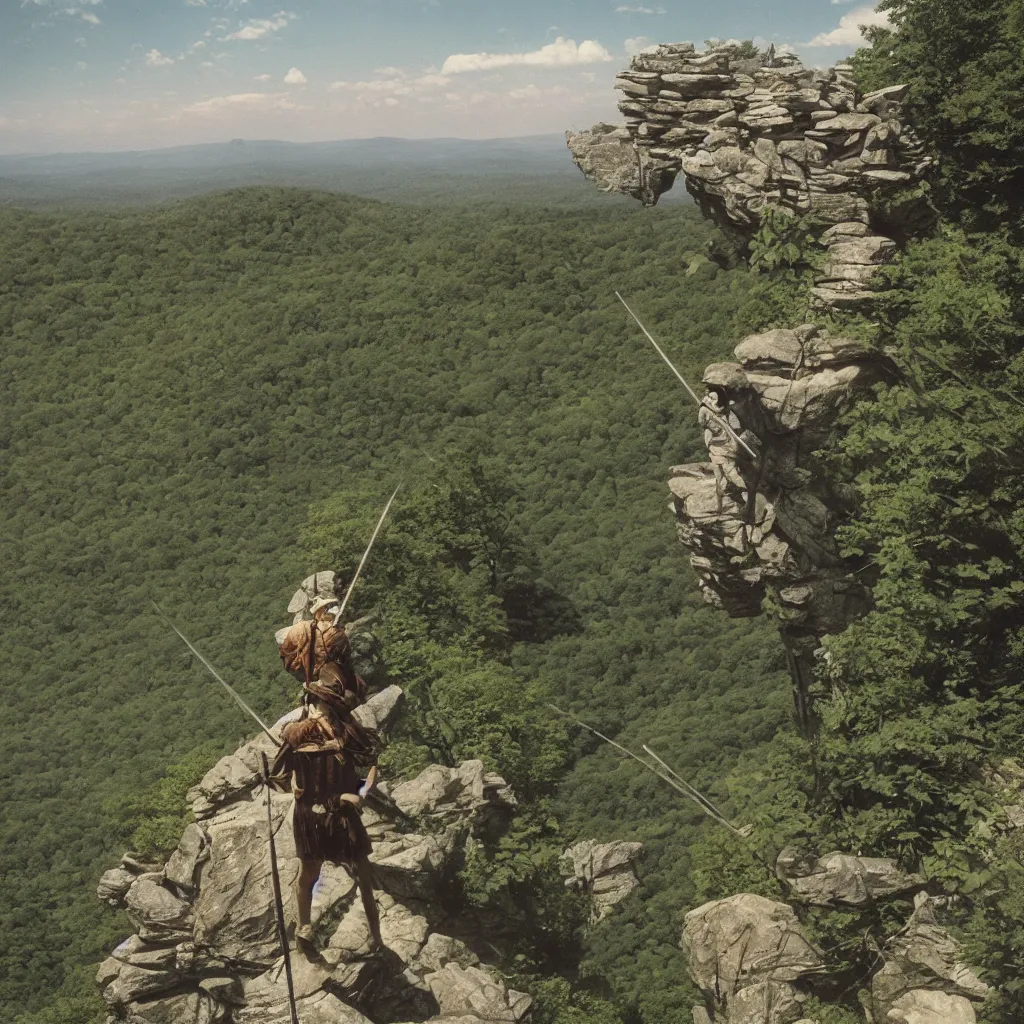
point(318, 760)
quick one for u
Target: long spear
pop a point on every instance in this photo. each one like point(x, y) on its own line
point(278, 902)
point(216, 675)
point(704, 804)
point(366, 553)
point(220, 679)
point(697, 794)
point(682, 379)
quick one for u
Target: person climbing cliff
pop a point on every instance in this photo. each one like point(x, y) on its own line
point(729, 440)
point(722, 446)
point(319, 760)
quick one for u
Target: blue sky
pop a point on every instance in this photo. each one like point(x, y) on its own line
point(138, 74)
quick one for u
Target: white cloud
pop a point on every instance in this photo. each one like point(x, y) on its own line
point(195, 3)
point(295, 77)
point(532, 92)
point(640, 10)
point(560, 53)
point(637, 44)
point(241, 101)
point(391, 102)
point(399, 84)
point(155, 59)
point(262, 78)
point(260, 27)
point(89, 17)
point(848, 33)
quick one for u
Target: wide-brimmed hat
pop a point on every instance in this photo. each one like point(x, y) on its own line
point(322, 602)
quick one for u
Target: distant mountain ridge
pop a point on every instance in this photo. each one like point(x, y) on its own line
point(533, 169)
point(536, 151)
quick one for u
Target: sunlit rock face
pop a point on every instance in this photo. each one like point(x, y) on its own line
point(773, 538)
point(755, 964)
point(748, 133)
point(206, 948)
point(604, 870)
point(747, 954)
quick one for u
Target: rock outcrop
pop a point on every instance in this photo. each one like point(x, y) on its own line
point(922, 974)
point(748, 955)
point(327, 584)
point(840, 879)
point(753, 962)
point(604, 870)
point(751, 135)
point(774, 539)
point(206, 948)
point(748, 134)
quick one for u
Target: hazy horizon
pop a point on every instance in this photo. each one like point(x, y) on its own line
point(528, 169)
point(278, 142)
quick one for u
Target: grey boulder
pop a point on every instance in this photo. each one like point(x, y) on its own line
point(605, 870)
point(841, 878)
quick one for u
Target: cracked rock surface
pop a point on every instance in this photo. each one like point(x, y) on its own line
point(605, 870)
point(745, 953)
point(774, 537)
point(841, 878)
point(923, 974)
point(749, 134)
point(206, 949)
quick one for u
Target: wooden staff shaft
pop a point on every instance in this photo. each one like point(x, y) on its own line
point(278, 903)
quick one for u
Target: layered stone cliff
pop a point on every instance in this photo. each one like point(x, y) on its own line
point(749, 134)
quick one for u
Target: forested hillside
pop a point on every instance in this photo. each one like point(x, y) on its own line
point(201, 402)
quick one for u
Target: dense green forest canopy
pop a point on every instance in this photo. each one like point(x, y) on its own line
point(201, 402)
